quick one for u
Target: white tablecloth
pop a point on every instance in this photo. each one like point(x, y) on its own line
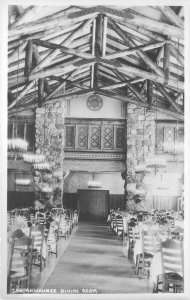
point(156, 267)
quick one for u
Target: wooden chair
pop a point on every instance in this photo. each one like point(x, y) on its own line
point(63, 230)
point(149, 247)
point(19, 264)
point(52, 239)
point(38, 257)
point(132, 237)
point(75, 218)
point(119, 227)
point(172, 265)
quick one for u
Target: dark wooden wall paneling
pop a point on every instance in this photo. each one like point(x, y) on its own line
point(115, 201)
point(19, 200)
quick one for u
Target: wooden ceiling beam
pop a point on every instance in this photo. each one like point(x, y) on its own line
point(150, 92)
point(23, 16)
point(166, 62)
point(15, 54)
point(161, 51)
point(134, 34)
point(140, 53)
point(143, 74)
point(73, 83)
point(48, 23)
point(48, 34)
point(77, 94)
point(98, 47)
point(50, 56)
point(162, 90)
point(152, 25)
point(172, 16)
point(65, 43)
point(142, 104)
point(129, 85)
point(13, 112)
point(40, 91)
point(144, 32)
point(57, 89)
point(63, 69)
point(59, 59)
point(104, 36)
point(113, 86)
point(28, 58)
point(93, 52)
point(37, 60)
point(70, 51)
point(134, 50)
point(177, 54)
point(131, 59)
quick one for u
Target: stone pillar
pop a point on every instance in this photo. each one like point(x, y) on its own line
point(140, 139)
point(50, 142)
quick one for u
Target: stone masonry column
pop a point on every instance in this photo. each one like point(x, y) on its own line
point(50, 141)
point(140, 139)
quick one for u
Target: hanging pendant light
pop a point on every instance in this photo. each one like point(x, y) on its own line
point(41, 166)
point(17, 145)
point(93, 184)
point(33, 158)
point(156, 163)
point(23, 181)
point(177, 148)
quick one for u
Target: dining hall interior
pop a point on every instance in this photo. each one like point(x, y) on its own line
point(95, 159)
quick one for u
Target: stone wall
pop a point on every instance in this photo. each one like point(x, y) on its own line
point(49, 141)
point(140, 141)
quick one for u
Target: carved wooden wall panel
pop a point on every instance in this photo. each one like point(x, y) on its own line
point(70, 136)
point(95, 135)
point(120, 137)
point(168, 134)
point(82, 136)
point(107, 137)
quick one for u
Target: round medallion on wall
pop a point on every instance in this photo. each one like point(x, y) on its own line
point(94, 102)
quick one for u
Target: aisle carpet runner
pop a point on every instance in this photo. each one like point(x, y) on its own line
point(94, 263)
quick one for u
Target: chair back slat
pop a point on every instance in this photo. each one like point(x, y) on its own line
point(172, 256)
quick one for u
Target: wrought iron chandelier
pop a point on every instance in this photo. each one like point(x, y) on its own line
point(17, 145)
point(93, 184)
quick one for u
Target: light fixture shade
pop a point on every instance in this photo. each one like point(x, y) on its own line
point(33, 158)
point(42, 166)
point(156, 162)
point(93, 184)
point(47, 189)
point(17, 144)
point(174, 149)
point(22, 181)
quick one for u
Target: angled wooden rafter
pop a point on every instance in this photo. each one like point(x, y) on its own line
point(152, 25)
point(140, 53)
point(71, 51)
point(49, 57)
point(129, 85)
point(143, 74)
point(93, 52)
point(172, 16)
point(48, 23)
point(133, 50)
point(168, 97)
point(131, 100)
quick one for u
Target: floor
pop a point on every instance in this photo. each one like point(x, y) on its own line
point(93, 261)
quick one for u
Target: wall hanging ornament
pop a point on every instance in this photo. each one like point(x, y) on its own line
point(94, 102)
